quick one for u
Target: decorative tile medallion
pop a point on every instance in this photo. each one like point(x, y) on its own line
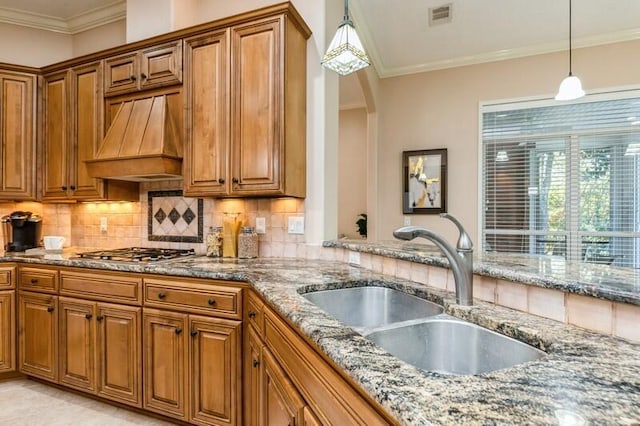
point(174, 218)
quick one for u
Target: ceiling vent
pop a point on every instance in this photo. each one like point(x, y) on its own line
point(440, 15)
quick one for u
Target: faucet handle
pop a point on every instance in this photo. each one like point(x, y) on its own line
point(464, 241)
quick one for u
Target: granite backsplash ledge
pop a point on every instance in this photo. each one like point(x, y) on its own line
point(601, 281)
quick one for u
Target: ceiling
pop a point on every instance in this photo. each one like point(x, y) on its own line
point(397, 35)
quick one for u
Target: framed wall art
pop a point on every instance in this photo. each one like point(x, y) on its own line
point(424, 176)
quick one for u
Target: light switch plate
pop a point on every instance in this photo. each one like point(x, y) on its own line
point(407, 221)
point(103, 224)
point(354, 258)
point(296, 225)
point(261, 226)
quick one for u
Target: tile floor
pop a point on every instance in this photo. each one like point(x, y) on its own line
point(29, 403)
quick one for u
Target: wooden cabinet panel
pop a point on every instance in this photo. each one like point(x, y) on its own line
point(38, 279)
point(254, 312)
point(7, 331)
point(107, 286)
point(38, 335)
point(17, 136)
point(76, 350)
point(309, 419)
point(165, 363)
point(282, 404)
point(207, 106)
point(215, 370)
point(121, 73)
point(119, 351)
point(252, 376)
point(161, 65)
point(57, 153)
point(7, 277)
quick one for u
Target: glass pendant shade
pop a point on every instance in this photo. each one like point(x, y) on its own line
point(345, 53)
point(570, 89)
point(502, 156)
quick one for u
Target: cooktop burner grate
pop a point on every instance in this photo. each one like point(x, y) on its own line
point(137, 254)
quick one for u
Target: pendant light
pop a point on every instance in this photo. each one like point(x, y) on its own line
point(571, 87)
point(345, 53)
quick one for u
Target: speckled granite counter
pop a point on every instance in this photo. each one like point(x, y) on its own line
point(602, 281)
point(592, 375)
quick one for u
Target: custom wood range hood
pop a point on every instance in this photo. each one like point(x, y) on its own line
point(143, 143)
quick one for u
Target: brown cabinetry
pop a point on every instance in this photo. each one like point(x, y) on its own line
point(38, 335)
point(17, 135)
point(73, 129)
point(242, 85)
point(155, 66)
point(7, 319)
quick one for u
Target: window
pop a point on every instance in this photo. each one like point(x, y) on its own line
point(563, 179)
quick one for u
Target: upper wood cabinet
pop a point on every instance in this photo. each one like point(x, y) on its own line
point(155, 66)
point(17, 135)
point(73, 129)
point(246, 109)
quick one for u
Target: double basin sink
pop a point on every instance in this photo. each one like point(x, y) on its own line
point(419, 332)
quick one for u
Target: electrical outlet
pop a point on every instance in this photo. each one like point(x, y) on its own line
point(407, 221)
point(261, 226)
point(103, 224)
point(354, 258)
point(296, 225)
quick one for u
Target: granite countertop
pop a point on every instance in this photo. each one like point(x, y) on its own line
point(594, 376)
point(601, 281)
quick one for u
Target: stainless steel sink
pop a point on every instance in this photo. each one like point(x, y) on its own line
point(450, 346)
point(367, 307)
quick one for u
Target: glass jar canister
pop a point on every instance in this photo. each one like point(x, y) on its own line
point(247, 243)
point(214, 241)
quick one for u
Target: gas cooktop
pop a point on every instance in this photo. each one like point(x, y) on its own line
point(137, 254)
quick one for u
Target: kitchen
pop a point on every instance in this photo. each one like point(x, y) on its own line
point(420, 94)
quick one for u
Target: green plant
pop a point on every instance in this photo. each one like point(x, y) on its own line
point(362, 224)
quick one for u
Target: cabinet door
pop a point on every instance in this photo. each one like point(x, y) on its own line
point(77, 343)
point(207, 100)
point(56, 136)
point(161, 65)
point(119, 344)
point(7, 331)
point(165, 362)
point(38, 331)
point(215, 370)
point(121, 74)
point(17, 136)
point(310, 419)
point(281, 404)
point(252, 376)
point(87, 129)
point(256, 84)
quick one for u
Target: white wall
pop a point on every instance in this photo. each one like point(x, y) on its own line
point(100, 38)
point(32, 47)
point(352, 170)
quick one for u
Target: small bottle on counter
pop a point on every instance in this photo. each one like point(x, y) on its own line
point(214, 241)
point(247, 243)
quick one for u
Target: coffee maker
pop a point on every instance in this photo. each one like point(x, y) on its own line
point(21, 231)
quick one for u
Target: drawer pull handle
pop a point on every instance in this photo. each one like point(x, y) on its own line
point(34, 281)
point(194, 333)
point(211, 302)
point(252, 314)
point(88, 316)
point(161, 295)
point(99, 317)
point(49, 309)
point(256, 363)
point(178, 330)
point(132, 78)
point(143, 75)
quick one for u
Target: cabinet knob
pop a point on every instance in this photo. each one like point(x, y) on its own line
point(161, 295)
point(88, 316)
point(49, 308)
point(64, 187)
point(221, 181)
point(252, 314)
point(34, 281)
point(73, 187)
point(100, 317)
point(256, 363)
point(143, 75)
point(211, 302)
point(235, 180)
point(194, 333)
point(178, 330)
point(132, 77)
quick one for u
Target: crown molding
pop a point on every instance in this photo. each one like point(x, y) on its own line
point(73, 25)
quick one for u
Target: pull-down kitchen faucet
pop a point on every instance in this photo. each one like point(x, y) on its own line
point(460, 258)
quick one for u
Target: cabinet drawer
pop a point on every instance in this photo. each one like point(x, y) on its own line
point(6, 277)
point(253, 312)
point(121, 74)
point(38, 279)
point(105, 286)
point(204, 297)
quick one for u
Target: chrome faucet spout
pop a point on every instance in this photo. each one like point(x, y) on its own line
point(460, 258)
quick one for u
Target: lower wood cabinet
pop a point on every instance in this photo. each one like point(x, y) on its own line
point(7, 331)
point(192, 367)
point(38, 335)
point(100, 349)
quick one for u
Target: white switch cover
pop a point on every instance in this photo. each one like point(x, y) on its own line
point(354, 258)
point(103, 224)
point(407, 221)
point(261, 226)
point(296, 225)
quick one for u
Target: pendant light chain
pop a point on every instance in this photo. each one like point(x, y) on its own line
point(570, 49)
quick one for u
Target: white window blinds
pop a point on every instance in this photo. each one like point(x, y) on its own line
point(563, 179)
